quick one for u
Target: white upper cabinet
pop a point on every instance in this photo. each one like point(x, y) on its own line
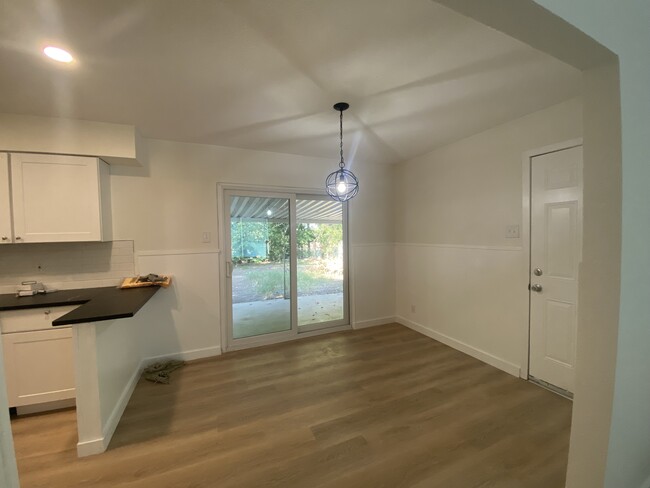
point(6, 234)
point(59, 198)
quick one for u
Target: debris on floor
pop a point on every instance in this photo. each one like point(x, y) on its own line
point(159, 372)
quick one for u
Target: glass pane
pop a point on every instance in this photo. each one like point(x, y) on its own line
point(261, 255)
point(319, 237)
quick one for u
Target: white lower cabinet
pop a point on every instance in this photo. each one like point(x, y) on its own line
point(39, 358)
point(40, 366)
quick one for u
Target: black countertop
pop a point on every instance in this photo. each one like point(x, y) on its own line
point(95, 303)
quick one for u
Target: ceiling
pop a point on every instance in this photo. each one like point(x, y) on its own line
point(263, 74)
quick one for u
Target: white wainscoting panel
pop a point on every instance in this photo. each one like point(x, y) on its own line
point(183, 320)
point(372, 284)
point(471, 298)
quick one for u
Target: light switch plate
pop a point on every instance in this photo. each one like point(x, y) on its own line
point(512, 231)
point(205, 237)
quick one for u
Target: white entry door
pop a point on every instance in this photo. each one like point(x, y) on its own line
point(555, 251)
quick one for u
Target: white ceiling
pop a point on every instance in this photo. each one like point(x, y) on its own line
point(263, 74)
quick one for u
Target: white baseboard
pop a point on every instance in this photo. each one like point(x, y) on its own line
point(479, 354)
point(90, 448)
point(97, 446)
point(192, 354)
point(45, 407)
point(362, 324)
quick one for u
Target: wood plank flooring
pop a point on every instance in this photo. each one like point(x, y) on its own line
point(379, 407)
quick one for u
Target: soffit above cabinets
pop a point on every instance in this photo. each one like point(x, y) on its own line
point(116, 144)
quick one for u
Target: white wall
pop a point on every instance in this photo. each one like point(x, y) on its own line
point(458, 278)
point(599, 272)
point(168, 203)
point(623, 28)
point(118, 357)
point(8, 468)
point(372, 284)
point(107, 359)
point(182, 320)
point(110, 356)
point(165, 207)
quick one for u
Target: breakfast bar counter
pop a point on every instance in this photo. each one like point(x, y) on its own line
point(96, 304)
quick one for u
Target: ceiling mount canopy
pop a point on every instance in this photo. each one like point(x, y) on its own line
point(341, 107)
point(341, 185)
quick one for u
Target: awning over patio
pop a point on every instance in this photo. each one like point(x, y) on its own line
point(277, 210)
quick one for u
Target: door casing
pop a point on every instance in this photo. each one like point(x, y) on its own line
point(525, 239)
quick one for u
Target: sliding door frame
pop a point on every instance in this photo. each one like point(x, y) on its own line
point(346, 292)
point(256, 340)
point(228, 343)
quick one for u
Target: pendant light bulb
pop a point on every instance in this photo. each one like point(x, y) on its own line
point(341, 187)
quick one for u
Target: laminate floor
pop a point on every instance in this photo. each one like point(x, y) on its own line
point(378, 407)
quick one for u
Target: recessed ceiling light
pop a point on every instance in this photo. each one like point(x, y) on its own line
point(58, 54)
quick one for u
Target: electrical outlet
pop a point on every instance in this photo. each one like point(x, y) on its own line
point(205, 237)
point(512, 231)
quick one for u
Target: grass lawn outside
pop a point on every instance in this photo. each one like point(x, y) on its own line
point(265, 281)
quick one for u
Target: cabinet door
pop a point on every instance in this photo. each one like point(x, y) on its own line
point(56, 198)
point(31, 319)
point(39, 366)
point(6, 236)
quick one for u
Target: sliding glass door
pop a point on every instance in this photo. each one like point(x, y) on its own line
point(285, 266)
point(321, 253)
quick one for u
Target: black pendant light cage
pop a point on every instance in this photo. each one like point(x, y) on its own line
point(342, 185)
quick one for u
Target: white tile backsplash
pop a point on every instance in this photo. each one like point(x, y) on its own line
point(66, 265)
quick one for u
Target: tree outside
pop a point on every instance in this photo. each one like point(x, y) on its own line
point(260, 252)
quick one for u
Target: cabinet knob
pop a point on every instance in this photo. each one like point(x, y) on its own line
point(5, 238)
point(18, 238)
point(47, 312)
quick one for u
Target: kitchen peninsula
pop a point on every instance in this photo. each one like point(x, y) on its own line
point(92, 334)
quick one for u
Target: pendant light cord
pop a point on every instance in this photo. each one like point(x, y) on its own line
point(342, 163)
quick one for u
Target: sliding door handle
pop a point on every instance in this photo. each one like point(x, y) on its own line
point(228, 269)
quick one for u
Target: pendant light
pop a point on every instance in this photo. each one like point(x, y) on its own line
point(341, 185)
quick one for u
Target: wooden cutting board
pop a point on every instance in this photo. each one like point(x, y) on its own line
point(134, 283)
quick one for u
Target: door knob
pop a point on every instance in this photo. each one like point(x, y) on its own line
point(536, 287)
point(538, 272)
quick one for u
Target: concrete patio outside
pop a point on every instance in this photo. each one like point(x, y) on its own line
point(266, 316)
